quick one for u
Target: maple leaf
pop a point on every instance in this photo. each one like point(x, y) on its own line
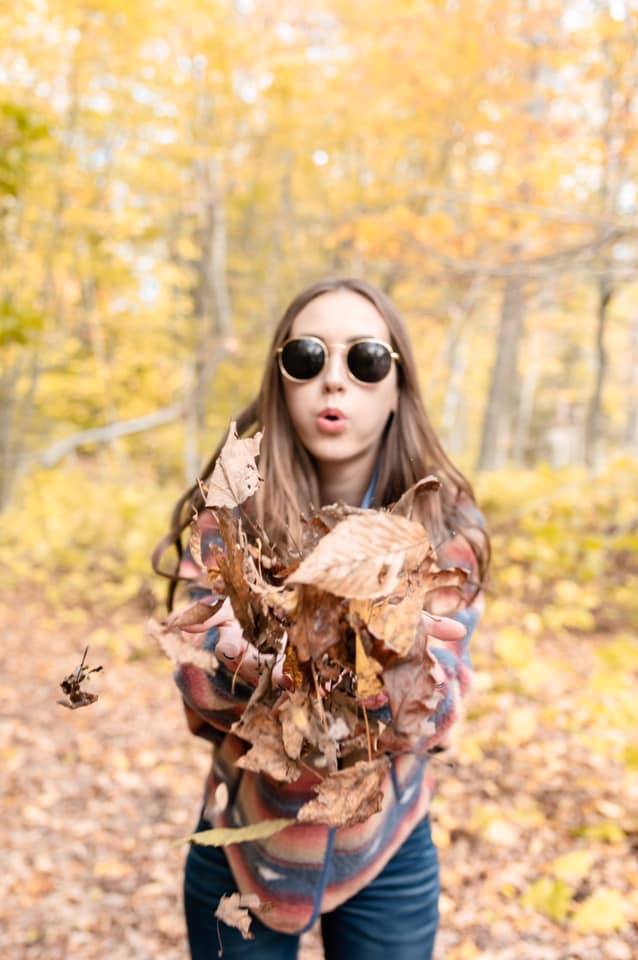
point(367, 554)
point(233, 911)
point(348, 796)
point(235, 476)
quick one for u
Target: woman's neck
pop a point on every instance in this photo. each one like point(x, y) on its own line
point(344, 482)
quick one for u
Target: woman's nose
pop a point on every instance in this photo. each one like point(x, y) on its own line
point(335, 373)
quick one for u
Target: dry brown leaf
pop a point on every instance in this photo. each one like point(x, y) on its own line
point(316, 626)
point(366, 555)
point(348, 796)
point(194, 614)
point(411, 687)
point(404, 507)
point(396, 623)
point(182, 647)
point(297, 722)
point(233, 911)
point(267, 755)
point(235, 477)
point(233, 562)
point(444, 591)
point(368, 670)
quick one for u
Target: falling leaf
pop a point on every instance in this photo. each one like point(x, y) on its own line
point(235, 476)
point(348, 796)
point(224, 836)
point(232, 910)
point(366, 555)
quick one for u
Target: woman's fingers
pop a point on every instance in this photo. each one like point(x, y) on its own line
point(443, 628)
point(245, 659)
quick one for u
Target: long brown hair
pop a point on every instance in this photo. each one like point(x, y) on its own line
point(410, 450)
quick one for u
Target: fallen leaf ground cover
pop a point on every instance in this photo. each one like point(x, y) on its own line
point(536, 815)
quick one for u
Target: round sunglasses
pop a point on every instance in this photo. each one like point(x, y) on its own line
point(303, 358)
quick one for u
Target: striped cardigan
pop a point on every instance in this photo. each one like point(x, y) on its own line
point(306, 869)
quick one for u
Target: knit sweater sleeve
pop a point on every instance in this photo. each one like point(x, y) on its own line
point(453, 657)
point(212, 701)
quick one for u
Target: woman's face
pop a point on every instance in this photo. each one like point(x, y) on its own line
point(340, 421)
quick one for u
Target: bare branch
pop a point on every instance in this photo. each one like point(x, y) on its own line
point(58, 450)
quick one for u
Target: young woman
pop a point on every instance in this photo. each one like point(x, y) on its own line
point(343, 420)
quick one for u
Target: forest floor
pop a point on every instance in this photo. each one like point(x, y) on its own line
point(529, 821)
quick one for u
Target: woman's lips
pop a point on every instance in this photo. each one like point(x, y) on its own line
point(331, 420)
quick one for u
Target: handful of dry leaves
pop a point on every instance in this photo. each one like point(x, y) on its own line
point(345, 618)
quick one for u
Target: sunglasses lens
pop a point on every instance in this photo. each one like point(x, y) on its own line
point(302, 359)
point(369, 361)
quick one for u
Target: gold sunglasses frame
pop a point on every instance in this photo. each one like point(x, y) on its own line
point(343, 346)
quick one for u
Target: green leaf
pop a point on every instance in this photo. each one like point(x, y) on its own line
point(223, 836)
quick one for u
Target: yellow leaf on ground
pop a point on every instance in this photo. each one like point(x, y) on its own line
point(603, 912)
point(572, 866)
point(549, 896)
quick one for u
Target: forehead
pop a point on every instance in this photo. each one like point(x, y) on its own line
point(339, 316)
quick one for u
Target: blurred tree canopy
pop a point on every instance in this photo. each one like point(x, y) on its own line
point(172, 173)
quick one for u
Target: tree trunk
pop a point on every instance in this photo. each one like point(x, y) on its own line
point(526, 398)
point(501, 401)
point(593, 423)
point(213, 311)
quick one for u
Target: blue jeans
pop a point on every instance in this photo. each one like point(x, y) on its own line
point(394, 918)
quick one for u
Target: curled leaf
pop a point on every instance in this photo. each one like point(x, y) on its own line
point(404, 507)
point(232, 910)
point(235, 477)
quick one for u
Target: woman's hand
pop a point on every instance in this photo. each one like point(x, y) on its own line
point(235, 652)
